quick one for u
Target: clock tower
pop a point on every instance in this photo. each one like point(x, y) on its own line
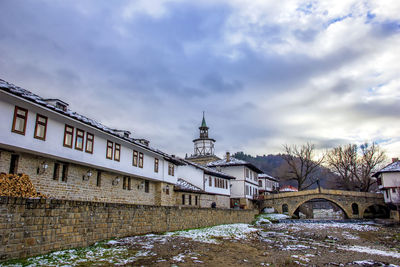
point(204, 150)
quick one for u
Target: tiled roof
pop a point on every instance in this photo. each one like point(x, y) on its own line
point(233, 162)
point(182, 185)
point(29, 96)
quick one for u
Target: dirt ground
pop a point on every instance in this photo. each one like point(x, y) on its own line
point(281, 245)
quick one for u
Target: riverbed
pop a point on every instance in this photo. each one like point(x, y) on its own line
point(284, 243)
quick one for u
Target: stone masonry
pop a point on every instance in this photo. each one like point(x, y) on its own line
point(31, 227)
point(344, 199)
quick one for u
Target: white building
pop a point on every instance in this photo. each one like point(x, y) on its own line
point(267, 184)
point(61, 150)
point(244, 188)
point(388, 180)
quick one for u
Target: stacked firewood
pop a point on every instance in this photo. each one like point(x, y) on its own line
point(13, 185)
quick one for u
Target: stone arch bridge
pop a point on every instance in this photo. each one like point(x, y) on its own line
point(353, 204)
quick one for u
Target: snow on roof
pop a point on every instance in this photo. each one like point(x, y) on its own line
point(267, 176)
point(27, 95)
point(233, 162)
point(208, 170)
point(392, 167)
point(186, 186)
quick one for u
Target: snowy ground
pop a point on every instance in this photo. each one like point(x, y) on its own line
point(265, 244)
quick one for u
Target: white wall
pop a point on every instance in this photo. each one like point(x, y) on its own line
point(213, 188)
point(192, 175)
point(391, 179)
point(53, 145)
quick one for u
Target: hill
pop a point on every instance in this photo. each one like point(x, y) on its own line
point(275, 165)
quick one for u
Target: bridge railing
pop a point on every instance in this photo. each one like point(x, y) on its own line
point(323, 191)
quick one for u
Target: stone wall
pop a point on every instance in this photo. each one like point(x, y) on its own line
point(76, 188)
point(35, 226)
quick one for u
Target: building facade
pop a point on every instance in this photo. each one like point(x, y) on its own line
point(244, 188)
point(70, 156)
point(388, 179)
point(267, 184)
point(213, 185)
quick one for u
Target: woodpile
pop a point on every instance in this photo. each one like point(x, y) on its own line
point(13, 185)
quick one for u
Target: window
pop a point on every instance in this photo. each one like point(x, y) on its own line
point(117, 152)
point(210, 181)
point(68, 136)
point(183, 199)
point(19, 121)
point(109, 152)
point(127, 184)
point(247, 190)
point(135, 158)
point(171, 169)
point(40, 128)
point(89, 143)
point(56, 171)
point(155, 165)
point(124, 183)
point(215, 182)
point(195, 200)
point(64, 176)
point(140, 160)
point(260, 183)
point(393, 190)
point(79, 139)
point(146, 186)
point(14, 164)
point(190, 199)
point(247, 173)
point(98, 182)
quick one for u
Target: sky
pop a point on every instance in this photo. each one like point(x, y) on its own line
point(266, 73)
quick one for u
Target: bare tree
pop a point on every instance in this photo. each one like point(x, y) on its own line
point(355, 165)
point(301, 164)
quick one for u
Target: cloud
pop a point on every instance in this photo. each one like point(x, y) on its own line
point(266, 73)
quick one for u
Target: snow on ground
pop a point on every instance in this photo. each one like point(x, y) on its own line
point(96, 254)
point(323, 225)
point(208, 234)
point(370, 251)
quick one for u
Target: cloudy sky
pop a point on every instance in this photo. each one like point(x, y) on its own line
point(265, 72)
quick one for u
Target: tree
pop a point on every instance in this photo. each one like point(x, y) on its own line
point(354, 165)
point(301, 165)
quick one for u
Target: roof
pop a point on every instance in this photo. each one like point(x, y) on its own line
point(288, 188)
point(208, 170)
point(233, 162)
point(203, 122)
point(31, 97)
point(267, 176)
point(392, 167)
point(182, 185)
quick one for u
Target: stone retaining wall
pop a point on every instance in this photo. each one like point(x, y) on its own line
point(31, 227)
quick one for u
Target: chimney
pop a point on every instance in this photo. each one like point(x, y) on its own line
point(395, 160)
point(228, 156)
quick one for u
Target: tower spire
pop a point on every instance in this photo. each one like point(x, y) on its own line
point(203, 123)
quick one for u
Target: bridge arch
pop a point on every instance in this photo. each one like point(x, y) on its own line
point(346, 212)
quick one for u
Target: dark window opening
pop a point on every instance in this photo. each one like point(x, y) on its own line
point(146, 186)
point(183, 199)
point(14, 164)
point(98, 182)
point(64, 176)
point(56, 171)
